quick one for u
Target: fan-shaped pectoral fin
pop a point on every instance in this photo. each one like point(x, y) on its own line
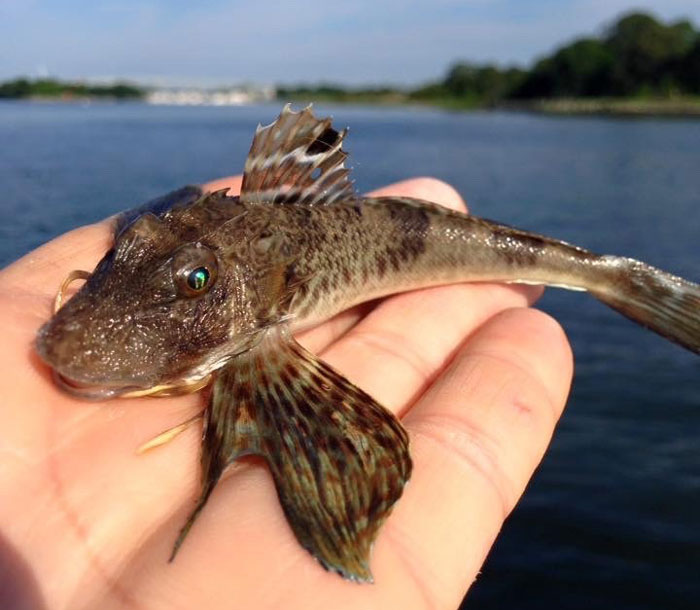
point(339, 460)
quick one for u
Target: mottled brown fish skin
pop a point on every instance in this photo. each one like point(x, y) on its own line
point(352, 252)
point(332, 257)
point(328, 258)
point(377, 246)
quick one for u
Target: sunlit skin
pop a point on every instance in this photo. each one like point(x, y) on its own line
point(477, 376)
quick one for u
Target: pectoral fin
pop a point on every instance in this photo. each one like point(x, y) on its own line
point(339, 460)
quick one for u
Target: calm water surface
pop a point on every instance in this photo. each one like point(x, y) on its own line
point(612, 518)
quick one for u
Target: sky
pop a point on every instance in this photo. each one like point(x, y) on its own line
point(352, 42)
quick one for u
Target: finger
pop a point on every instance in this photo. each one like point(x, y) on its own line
point(399, 348)
point(476, 437)
point(430, 189)
point(232, 183)
point(41, 271)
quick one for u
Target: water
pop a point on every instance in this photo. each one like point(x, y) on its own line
point(611, 518)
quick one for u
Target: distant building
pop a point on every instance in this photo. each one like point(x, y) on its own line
point(234, 96)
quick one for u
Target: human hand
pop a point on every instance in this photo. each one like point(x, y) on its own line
point(478, 379)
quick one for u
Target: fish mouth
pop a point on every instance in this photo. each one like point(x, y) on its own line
point(97, 392)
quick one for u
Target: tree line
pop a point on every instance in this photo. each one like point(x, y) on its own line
point(51, 88)
point(636, 56)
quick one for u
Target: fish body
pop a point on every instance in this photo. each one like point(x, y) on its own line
point(205, 287)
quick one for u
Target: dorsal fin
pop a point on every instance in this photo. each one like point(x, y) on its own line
point(297, 159)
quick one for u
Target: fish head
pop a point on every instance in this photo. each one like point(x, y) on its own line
point(155, 316)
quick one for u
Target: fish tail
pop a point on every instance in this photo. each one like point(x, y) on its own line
point(667, 304)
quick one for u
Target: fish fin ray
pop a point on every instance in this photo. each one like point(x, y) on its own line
point(338, 459)
point(667, 304)
point(297, 159)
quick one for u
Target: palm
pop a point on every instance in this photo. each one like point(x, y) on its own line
point(85, 522)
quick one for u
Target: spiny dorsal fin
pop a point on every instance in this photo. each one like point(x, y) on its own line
point(297, 159)
point(339, 460)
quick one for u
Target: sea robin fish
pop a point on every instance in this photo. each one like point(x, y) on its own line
point(201, 288)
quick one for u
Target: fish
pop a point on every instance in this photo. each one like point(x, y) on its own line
point(203, 289)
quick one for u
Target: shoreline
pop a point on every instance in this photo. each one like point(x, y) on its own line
point(686, 107)
point(680, 107)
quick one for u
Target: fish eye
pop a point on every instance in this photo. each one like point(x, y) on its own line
point(194, 269)
point(198, 279)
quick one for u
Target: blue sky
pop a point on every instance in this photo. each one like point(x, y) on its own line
point(210, 42)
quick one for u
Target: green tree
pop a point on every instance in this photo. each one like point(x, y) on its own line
point(689, 70)
point(580, 69)
point(48, 87)
point(486, 84)
point(17, 88)
point(583, 68)
point(647, 53)
point(460, 79)
point(429, 91)
point(490, 84)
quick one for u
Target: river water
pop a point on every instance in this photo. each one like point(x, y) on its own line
point(612, 517)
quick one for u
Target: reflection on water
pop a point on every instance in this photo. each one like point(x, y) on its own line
point(611, 518)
